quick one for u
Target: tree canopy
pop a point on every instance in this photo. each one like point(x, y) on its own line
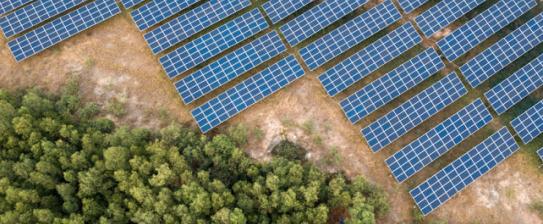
point(61, 164)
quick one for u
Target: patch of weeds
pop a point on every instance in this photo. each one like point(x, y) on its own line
point(238, 133)
point(89, 63)
point(317, 140)
point(116, 107)
point(288, 123)
point(537, 207)
point(258, 133)
point(332, 158)
point(510, 193)
point(308, 127)
point(164, 115)
point(418, 217)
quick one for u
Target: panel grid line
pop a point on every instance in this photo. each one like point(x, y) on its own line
point(529, 124)
point(278, 10)
point(444, 13)
point(157, 11)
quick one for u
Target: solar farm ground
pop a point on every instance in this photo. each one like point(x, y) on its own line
point(115, 67)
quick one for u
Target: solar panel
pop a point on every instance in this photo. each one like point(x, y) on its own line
point(317, 18)
point(438, 141)
point(517, 86)
point(62, 28)
point(410, 114)
point(33, 14)
point(192, 22)
point(410, 5)
point(213, 43)
point(456, 176)
point(366, 61)
point(529, 124)
point(444, 13)
point(350, 34)
point(278, 10)
point(157, 11)
point(483, 26)
point(8, 6)
point(229, 67)
point(540, 153)
point(247, 93)
point(130, 3)
point(392, 85)
point(504, 52)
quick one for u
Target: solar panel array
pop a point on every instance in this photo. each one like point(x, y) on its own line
point(62, 28)
point(456, 176)
point(443, 14)
point(529, 124)
point(278, 10)
point(361, 64)
point(392, 85)
point(517, 86)
point(33, 14)
point(350, 34)
point(213, 43)
point(410, 114)
point(317, 18)
point(483, 26)
point(410, 5)
point(438, 141)
point(229, 67)
point(504, 52)
point(192, 22)
point(8, 6)
point(247, 93)
point(157, 11)
point(131, 3)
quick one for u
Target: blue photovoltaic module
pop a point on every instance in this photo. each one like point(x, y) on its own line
point(157, 11)
point(10, 5)
point(392, 85)
point(278, 10)
point(369, 59)
point(412, 113)
point(247, 93)
point(131, 3)
point(63, 28)
point(529, 124)
point(350, 34)
point(410, 5)
point(213, 43)
point(438, 141)
point(444, 13)
point(456, 176)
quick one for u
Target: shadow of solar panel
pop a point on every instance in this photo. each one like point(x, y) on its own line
point(482, 27)
point(278, 10)
point(8, 6)
point(63, 28)
point(517, 86)
point(157, 11)
point(317, 18)
point(412, 113)
point(438, 141)
point(213, 43)
point(247, 93)
point(350, 34)
point(33, 14)
point(369, 59)
point(392, 85)
point(459, 174)
point(504, 52)
point(529, 124)
point(444, 13)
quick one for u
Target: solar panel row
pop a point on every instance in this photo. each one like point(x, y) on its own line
point(131, 3)
point(410, 5)
point(62, 28)
point(456, 176)
point(444, 13)
point(278, 10)
point(213, 43)
point(33, 14)
point(517, 86)
point(392, 85)
point(529, 124)
point(192, 22)
point(366, 61)
point(438, 141)
point(482, 27)
point(229, 67)
point(157, 11)
point(8, 6)
point(350, 34)
point(317, 18)
point(504, 52)
point(412, 113)
point(247, 93)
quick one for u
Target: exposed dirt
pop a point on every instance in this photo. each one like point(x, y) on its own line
point(113, 62)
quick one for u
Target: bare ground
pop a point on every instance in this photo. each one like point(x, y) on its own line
point(112, 61)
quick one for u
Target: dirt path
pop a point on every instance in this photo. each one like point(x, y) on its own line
point(115, 65)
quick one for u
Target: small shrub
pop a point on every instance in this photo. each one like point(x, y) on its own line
point(116, 107)
point(289, 151)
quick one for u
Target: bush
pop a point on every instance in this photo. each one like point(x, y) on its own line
point(289, 150)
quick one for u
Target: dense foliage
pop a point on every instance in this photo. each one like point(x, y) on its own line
point(58, 164)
